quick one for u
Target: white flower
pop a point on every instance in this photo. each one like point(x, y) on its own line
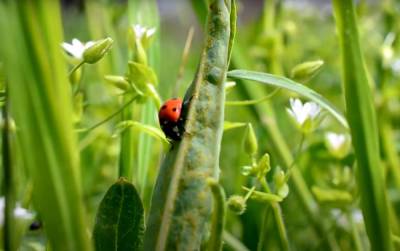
point(357, 216)
point(19, 212)
point(337, 144)
point(76, 48)
point(335, 140)
point(304, 115)
point(141, 31)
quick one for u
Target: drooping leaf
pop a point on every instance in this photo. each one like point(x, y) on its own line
point(120, 219)
point(282, 82)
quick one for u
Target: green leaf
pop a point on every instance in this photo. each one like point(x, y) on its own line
point(141, 75)
point(232, 125)
point(120, 219)
point(370, 175)
point(150, 130)
point(282, 82)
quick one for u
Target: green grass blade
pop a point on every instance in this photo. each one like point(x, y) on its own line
point(40, 98)
point(120, 219)
point(363, 127)
point(285, 83)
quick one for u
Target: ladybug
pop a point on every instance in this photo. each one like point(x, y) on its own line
point(171, 118)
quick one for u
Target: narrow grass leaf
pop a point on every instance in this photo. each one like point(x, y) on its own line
point(285, 83)
point(363, 128)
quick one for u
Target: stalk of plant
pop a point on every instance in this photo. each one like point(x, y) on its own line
point(181, 202)
point(40, 98)
point(146, 13)
point(9, 177)
point(363, 127)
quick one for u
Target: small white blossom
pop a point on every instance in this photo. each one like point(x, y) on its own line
point(337, 144)
point(357, 216)
point(335, 140)
point(19, 212)
point(76, 48)
point(303, 114)
point(141, 31)
point(395, 66)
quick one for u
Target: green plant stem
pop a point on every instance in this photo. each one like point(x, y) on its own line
point(252, 102)
point(9, 174)
point(234, 243)
point(355, 233)
point(121, 109)
point(277, 213)
point(296, 157)
point(180, 195)
point(76, 67)
point(127, 152)
point(396, 238)
point(218, 217)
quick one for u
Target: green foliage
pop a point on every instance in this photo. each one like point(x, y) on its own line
point(288, 84)
point(120, 219)
point(181, 190)
point(43, 112)
point(363, 127)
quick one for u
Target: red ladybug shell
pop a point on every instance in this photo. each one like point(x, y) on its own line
point(171, 110)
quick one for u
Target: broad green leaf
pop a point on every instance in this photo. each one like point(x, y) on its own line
point(120, 219)
point(285, 83)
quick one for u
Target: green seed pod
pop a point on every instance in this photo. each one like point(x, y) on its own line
point(279, 178)
point(181, 206)
point(237, 204)
point(250, 144)
point(305, 71)
point(97, 51)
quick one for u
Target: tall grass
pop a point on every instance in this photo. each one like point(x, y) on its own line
point(39, 95)
point(363, 127)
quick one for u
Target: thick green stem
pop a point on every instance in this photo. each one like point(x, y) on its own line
point(181, 203)
point(127, 156)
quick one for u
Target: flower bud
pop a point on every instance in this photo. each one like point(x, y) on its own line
point(97, 51)
point(337, 144)
point(237, 204)
point(118, 81)
point(250, 143)
point(249, 170)
point(305, 71)
point(264, 165)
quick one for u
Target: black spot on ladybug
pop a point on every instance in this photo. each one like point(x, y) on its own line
point(163, 107)
point(174, 109)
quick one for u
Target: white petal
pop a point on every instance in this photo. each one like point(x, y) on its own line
point(150, 32)
point(335, 140)
point(23, 213)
